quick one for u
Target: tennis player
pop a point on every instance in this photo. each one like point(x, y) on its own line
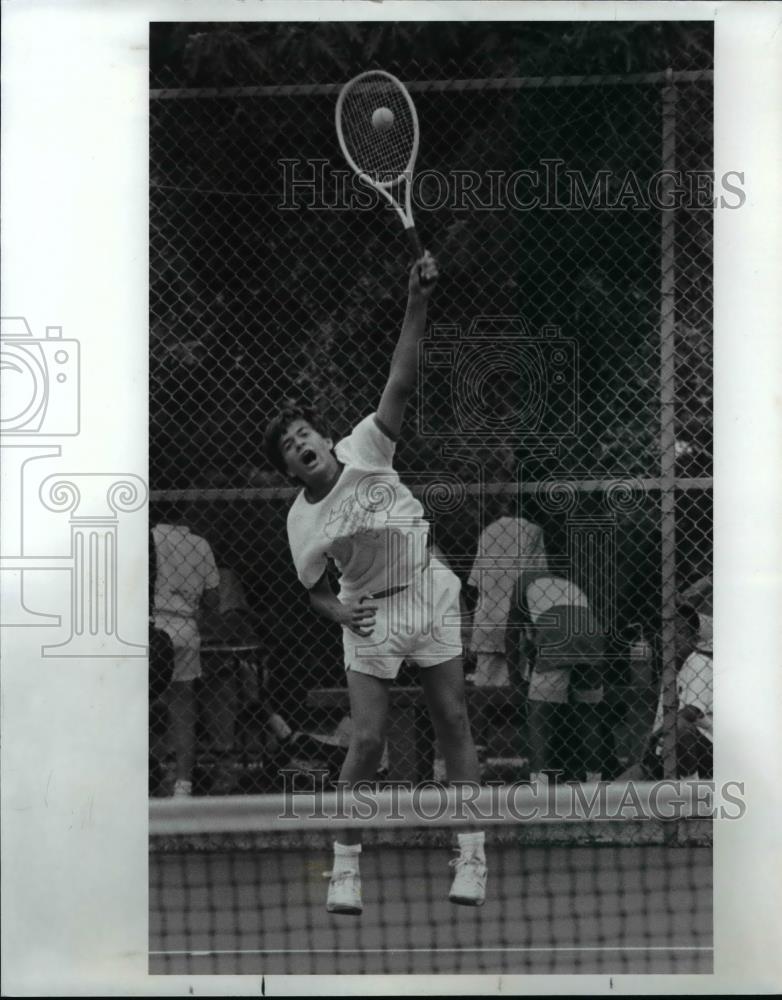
point(396, 600)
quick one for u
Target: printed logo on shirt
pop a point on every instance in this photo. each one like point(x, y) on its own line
point(349, 518)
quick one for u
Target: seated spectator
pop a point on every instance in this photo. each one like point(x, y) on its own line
point(695, 729)
point(694, 688)
point(229, 688)
point(297, 750)
point(186, 579)
point(236, 707)
point(551, 615)
point(506, 548)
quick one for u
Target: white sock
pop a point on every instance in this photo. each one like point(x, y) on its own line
point(472, 843)
point(346, 857)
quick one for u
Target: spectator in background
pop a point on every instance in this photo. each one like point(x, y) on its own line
point(506, 548)
point(229, 681)
point(187, 580)
point(695, 729)
point(552, 615)
point(694, 688)
point(161, 670)
point(161, 649)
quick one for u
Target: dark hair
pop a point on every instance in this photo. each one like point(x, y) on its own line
point(279, 425)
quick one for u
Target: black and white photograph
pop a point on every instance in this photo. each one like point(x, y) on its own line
point(431, 446)
point(389, 447)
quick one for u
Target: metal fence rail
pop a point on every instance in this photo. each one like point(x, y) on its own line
point(571, 216)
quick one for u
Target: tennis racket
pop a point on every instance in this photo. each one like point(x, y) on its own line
point(377, 128)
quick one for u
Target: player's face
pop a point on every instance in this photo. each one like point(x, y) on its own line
point(306, 453)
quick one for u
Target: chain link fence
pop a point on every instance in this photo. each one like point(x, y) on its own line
point(560, 439)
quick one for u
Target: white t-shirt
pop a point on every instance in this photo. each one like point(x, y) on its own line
point(369, 524)
point(695, 686)
point(506, 547)
point(185, 569)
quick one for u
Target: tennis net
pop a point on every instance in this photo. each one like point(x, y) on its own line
point(618, 883)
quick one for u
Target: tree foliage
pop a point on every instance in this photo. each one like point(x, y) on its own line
point(220, 54)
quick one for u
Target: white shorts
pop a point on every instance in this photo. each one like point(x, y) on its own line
point(421, 623)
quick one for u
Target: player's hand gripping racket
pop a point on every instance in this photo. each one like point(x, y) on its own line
point(377, 128)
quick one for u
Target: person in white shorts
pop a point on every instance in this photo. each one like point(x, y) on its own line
point(186, 580)
point(396, 601)
point(507, 547)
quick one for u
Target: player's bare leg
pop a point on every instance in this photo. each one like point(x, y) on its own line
point(444, 690)
point(369, 719)
point(443, 686)
point(369, 716)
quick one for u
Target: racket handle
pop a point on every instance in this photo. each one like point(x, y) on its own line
point(418, 250)
point(415, 242)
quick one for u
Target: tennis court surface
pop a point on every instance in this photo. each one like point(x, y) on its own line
point(234, 892)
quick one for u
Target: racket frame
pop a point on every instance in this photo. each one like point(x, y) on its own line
point(404, 211)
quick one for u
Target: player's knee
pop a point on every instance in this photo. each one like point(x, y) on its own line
point(454, 720)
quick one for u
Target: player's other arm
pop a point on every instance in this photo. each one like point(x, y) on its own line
point(404, 363)
point(358, 616)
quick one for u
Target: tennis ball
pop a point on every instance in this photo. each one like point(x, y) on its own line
point(382, 118)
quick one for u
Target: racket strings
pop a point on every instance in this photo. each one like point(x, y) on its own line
point(383, 153)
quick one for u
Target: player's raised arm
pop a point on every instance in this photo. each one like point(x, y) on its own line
point(404, 363)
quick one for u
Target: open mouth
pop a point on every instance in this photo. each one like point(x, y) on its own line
point(308, 457)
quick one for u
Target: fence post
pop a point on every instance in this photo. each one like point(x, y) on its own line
point(668, 433)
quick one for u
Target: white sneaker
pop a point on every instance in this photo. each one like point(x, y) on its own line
point(345, 892)
point(469, 881)
point(182, 789)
